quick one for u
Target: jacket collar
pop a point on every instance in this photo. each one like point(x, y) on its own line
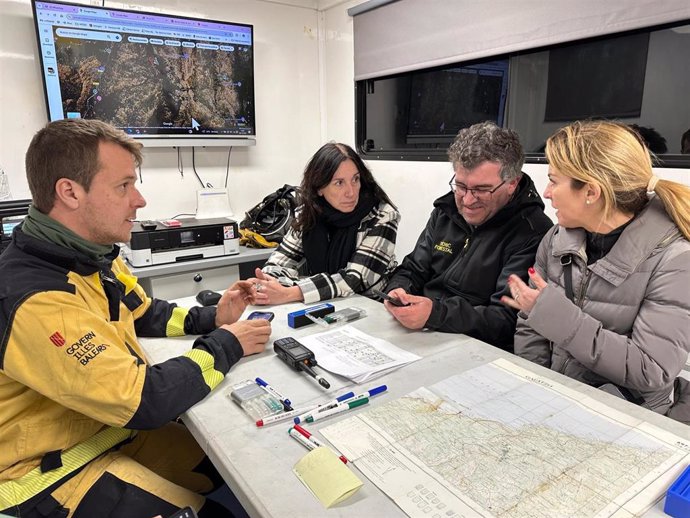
point(651, 229)
point(60, 256)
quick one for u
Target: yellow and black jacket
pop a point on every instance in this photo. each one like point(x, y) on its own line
point(71, 369)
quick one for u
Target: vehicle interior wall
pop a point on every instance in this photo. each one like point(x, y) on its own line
point(287, 105)
point(412, 185)
point(304, 97)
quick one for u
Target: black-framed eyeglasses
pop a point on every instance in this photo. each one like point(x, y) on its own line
point(480, 194)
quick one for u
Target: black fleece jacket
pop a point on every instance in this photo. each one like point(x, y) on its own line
point(464, 269)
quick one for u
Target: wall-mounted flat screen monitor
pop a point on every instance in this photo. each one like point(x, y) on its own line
point(161, 78)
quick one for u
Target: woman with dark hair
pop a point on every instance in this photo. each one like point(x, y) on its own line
point(343, 238)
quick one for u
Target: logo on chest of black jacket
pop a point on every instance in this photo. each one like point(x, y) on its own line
point(444, 246)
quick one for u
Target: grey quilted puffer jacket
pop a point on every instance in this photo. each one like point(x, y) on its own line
point(629, 322)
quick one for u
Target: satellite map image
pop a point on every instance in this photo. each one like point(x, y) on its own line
point(155, 84)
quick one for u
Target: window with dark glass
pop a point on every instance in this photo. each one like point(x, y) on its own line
point(640, 78)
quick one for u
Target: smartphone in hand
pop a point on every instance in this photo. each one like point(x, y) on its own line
point(256, 315)
point(393, 300)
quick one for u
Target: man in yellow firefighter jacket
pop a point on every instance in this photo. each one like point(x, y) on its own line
point(86, 425)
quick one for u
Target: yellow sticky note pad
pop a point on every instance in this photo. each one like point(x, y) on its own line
point(326, 476)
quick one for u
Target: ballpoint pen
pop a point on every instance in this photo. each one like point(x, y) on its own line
point(285, 401)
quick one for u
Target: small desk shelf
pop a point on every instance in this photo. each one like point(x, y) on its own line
point(175, 280)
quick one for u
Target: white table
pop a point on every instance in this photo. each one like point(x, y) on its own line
point(257, 462)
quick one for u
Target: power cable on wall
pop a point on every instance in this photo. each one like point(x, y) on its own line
point(227, 168)
point(180, 164)
point(203, 186)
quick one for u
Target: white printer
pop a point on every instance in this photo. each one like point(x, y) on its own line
point(161, 243)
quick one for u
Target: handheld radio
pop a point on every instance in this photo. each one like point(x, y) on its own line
point(298, 357)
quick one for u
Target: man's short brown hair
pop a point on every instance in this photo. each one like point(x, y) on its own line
point(69, 149)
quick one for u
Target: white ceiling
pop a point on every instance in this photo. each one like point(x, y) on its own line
point(319, 5)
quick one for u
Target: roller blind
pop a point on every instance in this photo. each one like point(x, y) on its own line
point(404, 35)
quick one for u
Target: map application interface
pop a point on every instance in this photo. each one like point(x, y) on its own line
point(148, 74)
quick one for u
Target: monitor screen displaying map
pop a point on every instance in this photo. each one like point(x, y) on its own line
point(152, 75)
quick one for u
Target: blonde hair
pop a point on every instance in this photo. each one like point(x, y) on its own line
point(612, 156)
point(68, 148)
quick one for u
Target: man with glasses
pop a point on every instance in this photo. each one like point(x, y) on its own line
point(486, 228)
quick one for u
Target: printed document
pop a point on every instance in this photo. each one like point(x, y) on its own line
point(348, 352)
point(500, 441)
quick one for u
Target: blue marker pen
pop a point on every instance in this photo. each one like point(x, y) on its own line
point(285, 401)
point(329, 404)
point(369, 393)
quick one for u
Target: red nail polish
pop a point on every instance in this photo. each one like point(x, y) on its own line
point(531, 271)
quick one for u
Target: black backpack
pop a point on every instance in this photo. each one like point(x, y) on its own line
point(273, 216)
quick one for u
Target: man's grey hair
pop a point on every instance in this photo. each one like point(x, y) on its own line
point(486, 141)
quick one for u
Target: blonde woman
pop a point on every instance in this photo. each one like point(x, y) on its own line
point(609, 297)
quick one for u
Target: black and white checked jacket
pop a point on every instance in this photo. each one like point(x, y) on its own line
point(373, 257)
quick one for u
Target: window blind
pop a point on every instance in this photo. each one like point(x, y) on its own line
point(392, 37)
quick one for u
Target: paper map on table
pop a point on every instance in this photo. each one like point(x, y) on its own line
point(500, 441)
